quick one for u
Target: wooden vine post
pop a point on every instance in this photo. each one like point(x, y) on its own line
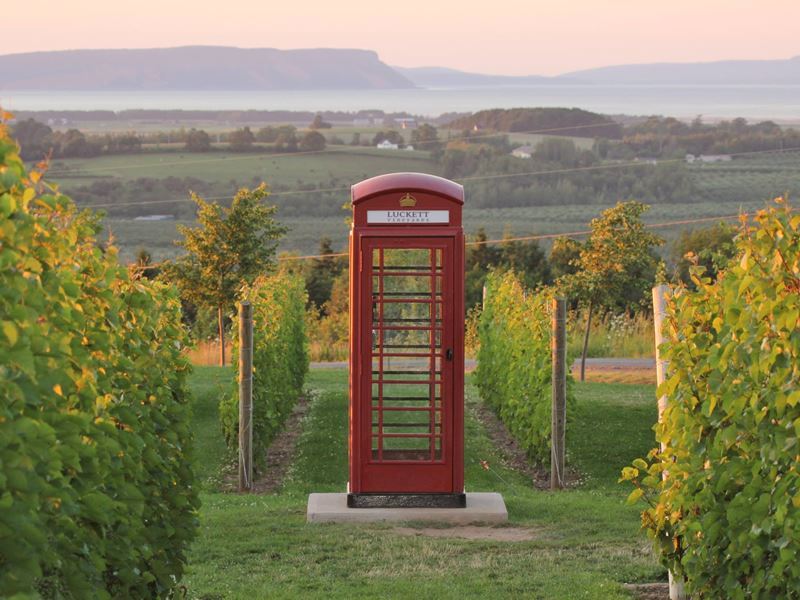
point(660, 295)
point(245, 397)
point(559, 383)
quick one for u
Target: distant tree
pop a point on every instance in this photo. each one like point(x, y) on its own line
point(711, 247)
point(312, 141)
point(425, 135)
point(456, 162)
point(616, 265)
point(558, 150)
point(267, 134)
point(35, 138)
point(767, 127)
point(286, 142)
point(320, 277)
point(586, 124)
point(197, 140)
point(241, 140)
point(601, 146)
point(392, 136)
point(564, 256)
point(143, 267)
point(332, 329)
point(356, 139)
point(129, 142)
point(318, 123)
point(738, 125)
point(270, 134)
point(73, 144)
point(525, 258)
point(481, 254)
point(480, 258)
point(228, 248)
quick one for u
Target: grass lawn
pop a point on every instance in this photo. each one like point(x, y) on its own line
point(587, 541)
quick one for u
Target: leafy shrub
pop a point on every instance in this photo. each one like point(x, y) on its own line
point(514, 362)
point(726, 514)
point(280, 359)
point(328, 329)
point(96, 496)
point(472, 340)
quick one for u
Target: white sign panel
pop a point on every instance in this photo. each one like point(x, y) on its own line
point(407, 216)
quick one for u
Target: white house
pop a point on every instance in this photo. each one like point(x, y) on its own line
point(522, 152)
point(708, 158)
point(387, 145)
point(712, 158)
point(154, 218)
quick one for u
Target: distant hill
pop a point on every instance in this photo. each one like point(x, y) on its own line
point(726, 72)
point(561, 121)
point(444, 77)
point(202, 68)
point(217, 68)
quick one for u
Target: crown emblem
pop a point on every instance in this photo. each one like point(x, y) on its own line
point(408, 201)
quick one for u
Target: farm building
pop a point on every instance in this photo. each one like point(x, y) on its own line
point(522, 152)
point(708, 158)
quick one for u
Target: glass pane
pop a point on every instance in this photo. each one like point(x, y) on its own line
point(403, 311)
point(403, 258)
point(406, 285)
point(407, 443)
point(407, 396)
point(424, 364)
point(416, 422)
point(406, 363)
point(409, 341)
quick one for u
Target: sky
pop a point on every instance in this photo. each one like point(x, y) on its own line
point(510, 37)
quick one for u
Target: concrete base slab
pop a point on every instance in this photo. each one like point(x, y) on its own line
point(482, 507)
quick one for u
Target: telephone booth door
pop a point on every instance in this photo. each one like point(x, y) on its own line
point(407, 354)
point(406, 405)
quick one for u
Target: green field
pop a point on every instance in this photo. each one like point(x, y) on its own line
point(305, 233)
point(337, 163)
point(329, 174)
point(759, 176)
point(586, 541)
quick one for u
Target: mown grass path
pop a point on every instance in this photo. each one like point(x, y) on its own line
point(587, 541)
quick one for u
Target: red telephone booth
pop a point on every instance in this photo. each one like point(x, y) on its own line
point(406, 343)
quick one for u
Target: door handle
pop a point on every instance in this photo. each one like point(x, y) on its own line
point(449, 354)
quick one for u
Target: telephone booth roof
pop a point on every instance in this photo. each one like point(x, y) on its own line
point(407, 182)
